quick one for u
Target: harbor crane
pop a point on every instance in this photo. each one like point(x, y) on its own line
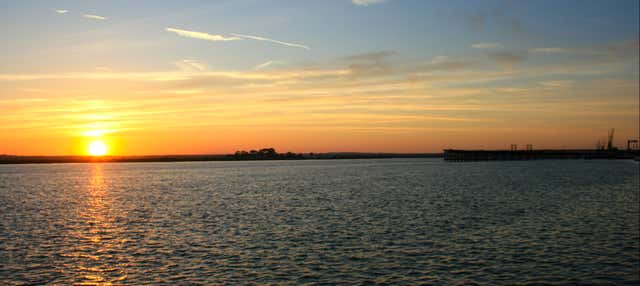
point(610, 139)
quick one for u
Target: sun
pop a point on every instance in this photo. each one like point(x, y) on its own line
point(97, 148)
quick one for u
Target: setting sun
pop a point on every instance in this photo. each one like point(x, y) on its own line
point(97, 148)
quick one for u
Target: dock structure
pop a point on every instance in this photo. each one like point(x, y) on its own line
point(455, 155)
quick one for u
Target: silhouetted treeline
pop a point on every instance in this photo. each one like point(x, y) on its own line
point(266, 154)
point(262, 154)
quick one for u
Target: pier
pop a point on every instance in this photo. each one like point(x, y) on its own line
point(455, 155)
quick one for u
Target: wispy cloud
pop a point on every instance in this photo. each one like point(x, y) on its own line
point(257, 38)
point(94, 17)
point(383, 97)
point(201, 35)
point(558, 83)
point(61, 11)
point(372, 64)
point(442, 63)
point(191, 66)
point(366, 2)
point(266, 64)
point(485, 45)
point(615, 51)
point(508, 59)
point(373, 56)
point(548, 50)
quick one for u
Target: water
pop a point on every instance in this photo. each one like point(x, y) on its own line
point(393, 221)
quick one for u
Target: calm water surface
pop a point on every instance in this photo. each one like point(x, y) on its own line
point(398, 221)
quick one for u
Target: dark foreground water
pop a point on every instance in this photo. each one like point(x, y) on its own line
point(406, 221)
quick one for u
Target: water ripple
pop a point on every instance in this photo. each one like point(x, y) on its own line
point(386, 222)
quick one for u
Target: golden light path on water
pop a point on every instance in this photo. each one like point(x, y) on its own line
point(96, 255)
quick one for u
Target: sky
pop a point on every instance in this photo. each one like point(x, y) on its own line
point(192, 77)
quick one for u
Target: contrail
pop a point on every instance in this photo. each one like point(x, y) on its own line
point(257, 38)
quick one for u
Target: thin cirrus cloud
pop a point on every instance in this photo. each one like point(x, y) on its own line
point(266, 64)
point(257, 38)
point(366, 2)
point(548, 50)
point(485, 45)
point(508, 59)
point(94, 17)
point(201, 35)
point(191, 66)
point(558, 83)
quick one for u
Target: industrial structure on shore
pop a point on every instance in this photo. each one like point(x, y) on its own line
point(602, 151)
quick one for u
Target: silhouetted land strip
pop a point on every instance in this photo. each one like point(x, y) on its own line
point(253, 155)
point(494, 155)
point(452, 155)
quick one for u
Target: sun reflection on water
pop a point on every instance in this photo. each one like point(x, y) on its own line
point(97, 251)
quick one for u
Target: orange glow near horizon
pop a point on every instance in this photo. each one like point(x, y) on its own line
point(305, 110)
point(150, 114)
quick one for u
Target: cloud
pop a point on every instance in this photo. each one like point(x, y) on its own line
point(369, 64)
point(611, 52)
point(191, 66)
point(508, 59)
point(548, 50)
point(558, 83)
point(624, 51)
point(235, 37)
point(366, 2)
point(442, 63)
point(266, 64)
point(373, 56)
point(178, 75)
point(201, 35)
point(316, 97)
point(94, 17)
point(485, 45)
point(61, 11)
point(257, 38)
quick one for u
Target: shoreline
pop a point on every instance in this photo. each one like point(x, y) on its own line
point(12, 159)
point(449, 155)
point(455, 155)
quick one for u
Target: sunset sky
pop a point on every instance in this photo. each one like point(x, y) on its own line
point(188, 77)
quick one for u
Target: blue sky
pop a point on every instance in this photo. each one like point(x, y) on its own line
point(333, 29)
